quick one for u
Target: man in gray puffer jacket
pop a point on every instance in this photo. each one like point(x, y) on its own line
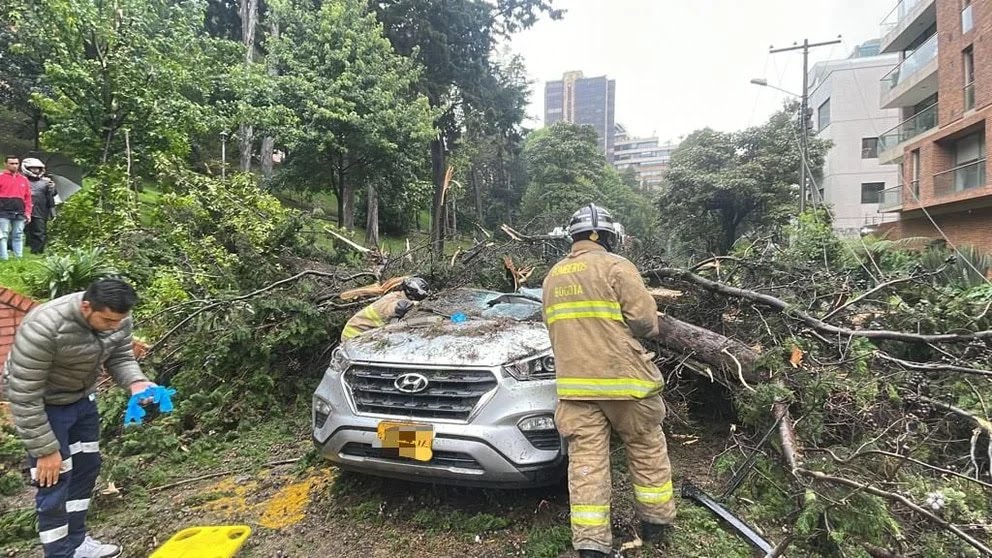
point(50, 374)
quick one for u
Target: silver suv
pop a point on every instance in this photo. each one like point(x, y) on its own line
point(469, 377)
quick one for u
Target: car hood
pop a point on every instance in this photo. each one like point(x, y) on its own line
point(437, 342)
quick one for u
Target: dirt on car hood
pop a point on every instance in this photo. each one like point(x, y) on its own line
point(438, 341)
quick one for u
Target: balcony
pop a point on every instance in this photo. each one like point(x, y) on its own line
point(914, 79)
point(890, 199)
point(891, 142)
point(959, 179)
point(906, 22)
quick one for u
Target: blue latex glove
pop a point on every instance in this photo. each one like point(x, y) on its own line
point(459, 317)
point(161, 396)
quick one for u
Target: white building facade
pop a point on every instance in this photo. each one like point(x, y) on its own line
point(843, 97)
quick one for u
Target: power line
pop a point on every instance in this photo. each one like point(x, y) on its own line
point(916, 197)
point(805, 105)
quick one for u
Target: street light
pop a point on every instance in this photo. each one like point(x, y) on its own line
point(223, 155)
point(764, 83)
point(803, 149)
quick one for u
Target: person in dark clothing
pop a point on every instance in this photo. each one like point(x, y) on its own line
point(42, 204)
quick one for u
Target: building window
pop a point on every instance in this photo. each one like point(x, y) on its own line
point(823, 115)
point(915, 182)
point(869, 148)
point(871, 192)
point(969, 78)
point(967, 17)
point(969, 162)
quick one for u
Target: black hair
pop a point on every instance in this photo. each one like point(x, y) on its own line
point(9, 157)
point(114, 294)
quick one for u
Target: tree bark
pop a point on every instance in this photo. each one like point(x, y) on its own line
point(249, 20)
point(712, 348)
point(346, 198)
point(437, 207)
point(268, 145)
point(473, 176)
point(269, 142)
point(372, 218)
point(245, 138)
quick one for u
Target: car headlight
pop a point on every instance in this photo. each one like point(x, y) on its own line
point(339, 360)
point(531, 424)
point(536, 368)
point(321, 410)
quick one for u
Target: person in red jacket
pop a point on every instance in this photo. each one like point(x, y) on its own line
point(15, 206)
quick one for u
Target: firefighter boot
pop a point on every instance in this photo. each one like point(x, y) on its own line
point(654, 533)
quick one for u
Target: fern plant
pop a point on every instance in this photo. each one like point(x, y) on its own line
point(61, 274)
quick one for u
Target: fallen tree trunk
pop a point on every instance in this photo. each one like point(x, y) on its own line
point(735, 360)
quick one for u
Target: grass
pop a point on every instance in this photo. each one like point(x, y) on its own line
point(14, 271)
point(548, 541)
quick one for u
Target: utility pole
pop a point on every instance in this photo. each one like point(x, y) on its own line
point(803, 135)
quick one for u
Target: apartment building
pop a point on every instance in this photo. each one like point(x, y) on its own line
point(581, 100)
point(648, 158)
point(943, 89)
point(844, 97)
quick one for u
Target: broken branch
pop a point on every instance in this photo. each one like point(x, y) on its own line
point(791, 310)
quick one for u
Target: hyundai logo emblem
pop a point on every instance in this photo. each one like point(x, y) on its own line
point(411, 382)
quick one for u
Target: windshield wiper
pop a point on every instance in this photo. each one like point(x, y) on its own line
point(513, 298)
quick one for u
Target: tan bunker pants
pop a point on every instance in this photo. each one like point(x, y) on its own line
point(586, 425)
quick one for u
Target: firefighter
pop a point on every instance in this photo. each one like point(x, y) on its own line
point(390, 306)
point(595, 306)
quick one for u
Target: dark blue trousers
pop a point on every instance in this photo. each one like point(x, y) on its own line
point(62, 508)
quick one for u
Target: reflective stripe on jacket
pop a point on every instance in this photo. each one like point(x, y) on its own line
point(595, 304)
point(377, 314)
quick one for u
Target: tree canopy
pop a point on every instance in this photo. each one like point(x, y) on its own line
point(722, 185)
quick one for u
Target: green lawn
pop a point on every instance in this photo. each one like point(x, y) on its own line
point(14, 270)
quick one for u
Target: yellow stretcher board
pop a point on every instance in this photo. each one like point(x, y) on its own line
point(212, 541)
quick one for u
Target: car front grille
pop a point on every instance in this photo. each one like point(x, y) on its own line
point(544, 439)
point(450, 394)
point(438, 459)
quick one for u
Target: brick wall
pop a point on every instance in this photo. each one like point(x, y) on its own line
point(951, 45)
point(969, 227)
point(13, 307)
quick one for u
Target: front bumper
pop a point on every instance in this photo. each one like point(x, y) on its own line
point(486, 450)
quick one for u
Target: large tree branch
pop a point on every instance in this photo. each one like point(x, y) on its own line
point(933, 367)
point(794, 312)
point(819, 476)
point(252, 294)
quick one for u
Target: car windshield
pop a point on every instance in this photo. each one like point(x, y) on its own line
point(474, 303)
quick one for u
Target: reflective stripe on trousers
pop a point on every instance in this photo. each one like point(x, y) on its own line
point(62, 508)
point(587, 425)
point(607, 387)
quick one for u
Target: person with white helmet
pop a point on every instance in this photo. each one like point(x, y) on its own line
point(595, 306)
point(15, 206)
point(391, 306)
point(42, 203)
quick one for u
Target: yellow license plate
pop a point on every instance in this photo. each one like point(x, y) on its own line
point(411, 440)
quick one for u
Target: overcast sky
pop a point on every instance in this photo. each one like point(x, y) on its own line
point(681, 65)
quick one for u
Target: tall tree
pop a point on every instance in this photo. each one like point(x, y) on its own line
point(129, 67)
point(566, 170)
point(453, 41)
point(359, 115)
point(249, 23)
point(722, 185)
